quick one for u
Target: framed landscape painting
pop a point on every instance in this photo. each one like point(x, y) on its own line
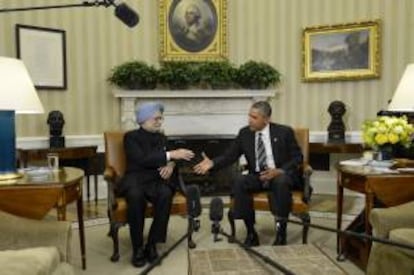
point(341, 52)
point(193, 30)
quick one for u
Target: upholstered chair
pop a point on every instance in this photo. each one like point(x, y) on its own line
point(394, 224)
point(300, 198)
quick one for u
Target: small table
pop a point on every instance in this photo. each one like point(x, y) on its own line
point(320, 153)
point(84, 157)
point(389, 188)
point(34, 199)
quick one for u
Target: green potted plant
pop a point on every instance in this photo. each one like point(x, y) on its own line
point(134, 75)
point(217, 75)
point(256, 75)
point(178, 75)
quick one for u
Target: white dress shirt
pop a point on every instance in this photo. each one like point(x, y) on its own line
point(268, 147)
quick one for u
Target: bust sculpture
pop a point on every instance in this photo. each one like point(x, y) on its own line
point(336, 128)
point(56, 121)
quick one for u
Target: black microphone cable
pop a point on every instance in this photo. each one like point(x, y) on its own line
point(350, 233)
point(216, 215)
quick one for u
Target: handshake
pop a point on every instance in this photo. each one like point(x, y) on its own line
point(201, 168)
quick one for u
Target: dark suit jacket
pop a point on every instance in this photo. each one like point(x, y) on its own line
point(145, 153)
point(286, 152)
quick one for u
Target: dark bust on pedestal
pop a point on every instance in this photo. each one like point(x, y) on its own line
point(56, 121)
point(336, 129)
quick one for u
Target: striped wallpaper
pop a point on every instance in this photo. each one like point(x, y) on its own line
point(268, 30)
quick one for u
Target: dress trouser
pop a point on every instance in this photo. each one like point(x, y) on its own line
point(160, 195)
point(280, 196)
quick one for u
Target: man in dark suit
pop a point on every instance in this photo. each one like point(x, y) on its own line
point(149, 176)
point(273, 158)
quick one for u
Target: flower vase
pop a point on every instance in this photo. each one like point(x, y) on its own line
point(385, 153)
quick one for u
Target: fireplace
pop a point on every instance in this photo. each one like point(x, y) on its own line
point(201, 120)
point(214, 183)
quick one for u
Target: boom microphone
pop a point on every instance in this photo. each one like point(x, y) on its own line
point(193, 201)
point(126, 15)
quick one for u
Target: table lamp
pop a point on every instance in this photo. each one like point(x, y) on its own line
point(17, 96)
point(403, 99)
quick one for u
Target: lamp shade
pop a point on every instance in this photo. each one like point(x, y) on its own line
point(17, 92)
point(17, 95)
point(403, 99)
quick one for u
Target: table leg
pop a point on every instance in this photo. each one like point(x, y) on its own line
point(96, 188)
point(87, 187)
point(79, 206)
point(339, 205)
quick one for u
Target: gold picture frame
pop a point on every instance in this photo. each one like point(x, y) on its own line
point(342, 52)
point(193, 30)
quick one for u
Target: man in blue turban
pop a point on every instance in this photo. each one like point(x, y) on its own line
point(149, 176)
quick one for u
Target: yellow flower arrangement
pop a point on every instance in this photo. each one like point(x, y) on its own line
point(385, 131)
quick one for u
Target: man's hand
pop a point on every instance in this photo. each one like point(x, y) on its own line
point(269, 174)
point(184, 154)
point(167, 170)
point(203, 166)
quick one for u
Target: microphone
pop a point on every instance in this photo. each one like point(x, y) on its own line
point(193, 201)
point(127, 15)
point(216, 215)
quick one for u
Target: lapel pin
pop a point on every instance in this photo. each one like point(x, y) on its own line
point(275, 139)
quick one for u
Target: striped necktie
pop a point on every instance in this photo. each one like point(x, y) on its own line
point(261, 153)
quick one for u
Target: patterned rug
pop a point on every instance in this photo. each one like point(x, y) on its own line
point(299, 259)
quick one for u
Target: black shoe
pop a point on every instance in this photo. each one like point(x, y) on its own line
point(280, 238)
point(138, 258)
point(252, 239)
point(151, 253)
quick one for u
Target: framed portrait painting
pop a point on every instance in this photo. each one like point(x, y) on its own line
point(193, 30)
point(341, 52)
point(43, 51)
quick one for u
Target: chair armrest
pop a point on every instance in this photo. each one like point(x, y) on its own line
point(383, 220)
point(18, 232)
point(111, 178)
point(109, 174)
point(307, 188)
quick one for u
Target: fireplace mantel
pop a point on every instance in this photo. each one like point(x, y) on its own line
point(194, 112)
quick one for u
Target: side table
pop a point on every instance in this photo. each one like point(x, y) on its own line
point(35, 198)
point(84, 157)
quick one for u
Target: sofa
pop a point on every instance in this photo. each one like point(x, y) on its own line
point(395, 224)
point(34, 247)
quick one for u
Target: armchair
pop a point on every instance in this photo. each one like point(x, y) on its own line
point(300, 198)
point(34, 246)
point(396, 224)
point(115, 164)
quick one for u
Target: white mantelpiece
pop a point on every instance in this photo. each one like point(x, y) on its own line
point(194, 112)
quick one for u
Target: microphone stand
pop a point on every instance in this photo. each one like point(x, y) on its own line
point(193, 226)
point(217, 230)
point(105, 3)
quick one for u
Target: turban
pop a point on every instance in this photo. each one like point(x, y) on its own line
point(147, 111)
